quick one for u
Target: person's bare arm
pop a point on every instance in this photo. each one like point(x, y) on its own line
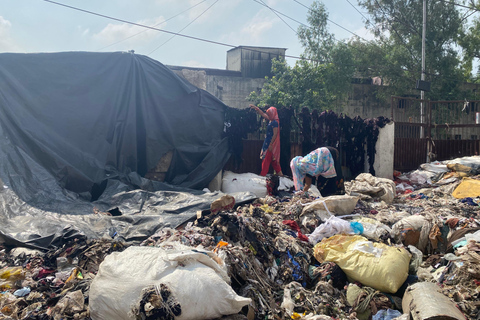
point(260, 112)
point(308, 183)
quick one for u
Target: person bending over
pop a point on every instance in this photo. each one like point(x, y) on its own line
point(318, 163)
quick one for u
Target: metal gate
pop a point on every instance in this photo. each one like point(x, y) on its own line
point(434, 130)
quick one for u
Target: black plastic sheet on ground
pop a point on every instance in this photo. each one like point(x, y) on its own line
point(79, 130)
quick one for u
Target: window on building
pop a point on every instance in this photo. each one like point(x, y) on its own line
point(474, 137)
point(458, 137)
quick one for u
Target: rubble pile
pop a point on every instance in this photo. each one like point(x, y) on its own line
point(355, 256)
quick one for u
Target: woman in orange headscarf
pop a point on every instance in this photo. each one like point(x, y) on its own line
point(271, 146)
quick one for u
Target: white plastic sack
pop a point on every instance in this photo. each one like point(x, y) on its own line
point(402, 187)
point(419, 178)
point(331, 227)
point(241, 182)
point(373, 229)
point(372, 187)
point(285, 184)
point(436, 167)
point(414, 222)
point(196, 282)
point(336, 205)
point(473, 236)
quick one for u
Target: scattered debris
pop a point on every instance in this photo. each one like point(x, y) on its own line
point(421, 240)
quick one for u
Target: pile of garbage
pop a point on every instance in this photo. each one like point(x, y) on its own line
point(387, 249)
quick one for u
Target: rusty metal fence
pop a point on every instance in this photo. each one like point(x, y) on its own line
point(434, 130)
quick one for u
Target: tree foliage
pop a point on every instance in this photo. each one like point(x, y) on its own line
point(323, 79)
point(397, 26)
point(469, 39)
point(319, 80)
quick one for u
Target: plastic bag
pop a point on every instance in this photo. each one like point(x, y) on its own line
point(9, 275)
point(242, 182)
point(435, 166)
point(417, 259)
point(388, 314)
point(331, 227)
point(373, 229)
point(467, 188)
point(196, 284)
point(414, 222)
point(372, 187)
point(375, 265)
point(336, 205)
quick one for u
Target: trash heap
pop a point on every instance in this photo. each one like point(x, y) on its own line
point(384, 250)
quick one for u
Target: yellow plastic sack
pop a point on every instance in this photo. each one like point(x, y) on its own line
point(376, 265)
point(467, 188)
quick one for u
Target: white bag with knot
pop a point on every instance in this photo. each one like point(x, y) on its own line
point(197, 285)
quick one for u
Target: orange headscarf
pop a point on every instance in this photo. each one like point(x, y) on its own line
point(273, 115)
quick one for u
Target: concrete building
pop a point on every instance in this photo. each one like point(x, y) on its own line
point(246, 69)
point(245, 72)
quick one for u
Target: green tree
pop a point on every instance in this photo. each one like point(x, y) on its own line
point(397, 26)
point(321, 79)
point(469, 40)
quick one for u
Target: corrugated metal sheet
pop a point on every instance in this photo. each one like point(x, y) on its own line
point(409, 153)
point(451, 149)
point(251, 157)
point(448, 126)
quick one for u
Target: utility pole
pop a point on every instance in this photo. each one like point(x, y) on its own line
point(422, 77)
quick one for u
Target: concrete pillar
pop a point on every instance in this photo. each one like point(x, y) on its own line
point(383, 164)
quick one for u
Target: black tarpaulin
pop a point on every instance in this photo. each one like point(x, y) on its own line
point(76, 122)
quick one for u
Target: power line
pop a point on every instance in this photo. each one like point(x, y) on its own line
point(166, 31)
point(201, 14)
point(334, 22)
point(458, 4)
point(358, 11)
point(299, 22)
point(152, 26)
point(394, 29)
point(274, 11)
point(138, 24)
point(176, 33)
point(306, 26)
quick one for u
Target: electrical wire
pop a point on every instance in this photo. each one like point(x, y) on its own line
point(274, 11)
point(175, 33)
point(366, 19)
point(152, 26)
point(394, 29)
point(173, 36)
point(299, 22)
point(169, 32)
point(334, 22)
point(460, 5)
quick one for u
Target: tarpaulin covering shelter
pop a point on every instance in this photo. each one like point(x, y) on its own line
point(77, 126)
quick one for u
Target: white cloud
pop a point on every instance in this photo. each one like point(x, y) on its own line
point(6, 42)
point(193, 64)
point(254, 30)
point(5, 26)
point(215, 9)
point(84, 32)
point(134, 34)
point(364, 33)
point(199, 12)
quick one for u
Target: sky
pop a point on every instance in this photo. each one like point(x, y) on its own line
point(30, 26)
